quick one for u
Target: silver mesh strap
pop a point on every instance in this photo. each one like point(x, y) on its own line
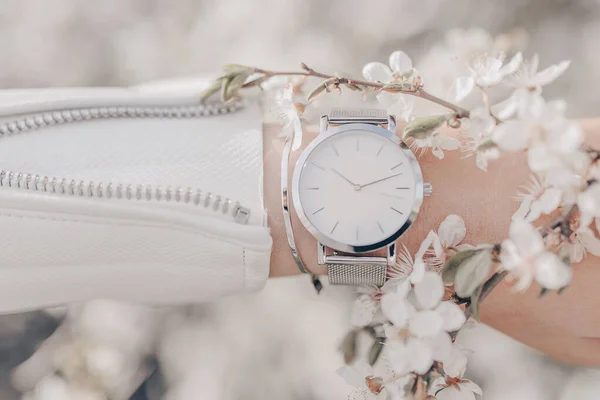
point(358, 115)
point(357, 274)
point(349, 270)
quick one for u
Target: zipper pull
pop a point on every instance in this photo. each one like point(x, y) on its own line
point(241, 215)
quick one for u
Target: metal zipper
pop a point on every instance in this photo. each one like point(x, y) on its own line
point(127, 192)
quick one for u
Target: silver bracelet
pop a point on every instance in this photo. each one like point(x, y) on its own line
point(287, 219)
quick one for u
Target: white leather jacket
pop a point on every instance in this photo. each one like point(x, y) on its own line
point(126, 193)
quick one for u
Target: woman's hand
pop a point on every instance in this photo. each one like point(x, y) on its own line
point(565, 326)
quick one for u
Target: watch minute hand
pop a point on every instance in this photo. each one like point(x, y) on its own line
point(379, 180)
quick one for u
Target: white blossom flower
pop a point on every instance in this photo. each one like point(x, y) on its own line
point(525, 257)
point(400, 70)
point(529, 78)
point(589, 204)
point(369, 385)
point(439, 246)
point(288, 113)
point(477, 142)
point(485, 71)
point(420, 323)
point(554, 143)
point(438, 142)
point(366, 306)
point(453, 386)
point(582, 240)
point(537, 199)
point(454, 389)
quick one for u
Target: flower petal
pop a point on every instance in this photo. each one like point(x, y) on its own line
point(551, 272)
point(524, 209)
point(511, 135)
point(421, 356)
point(589, 240)
point(526, 237)
point(550, 200)
point(452, 230)
point(429, 291)
point(506, 108)
point(400, 62)
point(377, 72)
point(394, 307)
point(352, 376)
point(438, 152)
point(426, 324)
point(461, 88)
point(452, 316)
point(455, 364)
point(363, 310)
point(453, 393)
point(512, 65)
point(446, 142)
point(418, 271)
point(442, 346)
point(550, 74)
point(472, 386)
point(387, 99)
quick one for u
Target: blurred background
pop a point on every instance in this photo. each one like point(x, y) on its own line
point(281, 343)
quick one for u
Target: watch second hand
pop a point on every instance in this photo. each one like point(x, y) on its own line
point(379, 180)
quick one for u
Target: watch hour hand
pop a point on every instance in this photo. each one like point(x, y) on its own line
point(346, 179)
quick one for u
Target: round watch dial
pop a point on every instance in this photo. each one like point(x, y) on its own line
point(357, 189)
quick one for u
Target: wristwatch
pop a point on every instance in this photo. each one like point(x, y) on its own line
point(357, 188)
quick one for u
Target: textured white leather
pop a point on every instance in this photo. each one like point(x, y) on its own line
point(56, 249)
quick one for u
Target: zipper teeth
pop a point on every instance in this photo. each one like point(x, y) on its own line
point(90, 189)
point(52, 118)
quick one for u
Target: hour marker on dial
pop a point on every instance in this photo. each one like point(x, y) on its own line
point(379, 151)
point(335, 226)
point(320, 209)
point(396, 166)
point(380, 227)
point(335, 151)
point(398, 211)
point(318, 166)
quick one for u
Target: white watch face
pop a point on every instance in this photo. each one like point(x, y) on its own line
point(357, 188)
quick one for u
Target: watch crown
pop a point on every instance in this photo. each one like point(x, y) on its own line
point(427, 189)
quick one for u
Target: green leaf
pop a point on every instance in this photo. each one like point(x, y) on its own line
point(209, 91)
point(376, 350)
point(349, 346)
point(475, 300)
point(234, 69)
point(422, 128)
point(473, 272)
point(255, 82)
point(232, 85)
point(454, 262)
point(323, 86)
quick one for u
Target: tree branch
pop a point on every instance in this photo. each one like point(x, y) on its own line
point(417, 92)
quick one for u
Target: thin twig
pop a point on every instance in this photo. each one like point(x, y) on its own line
point(419, 92)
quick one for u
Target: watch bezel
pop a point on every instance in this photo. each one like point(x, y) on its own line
point(300, 164)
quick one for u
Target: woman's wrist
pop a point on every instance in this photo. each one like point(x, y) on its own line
point(457, 189)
